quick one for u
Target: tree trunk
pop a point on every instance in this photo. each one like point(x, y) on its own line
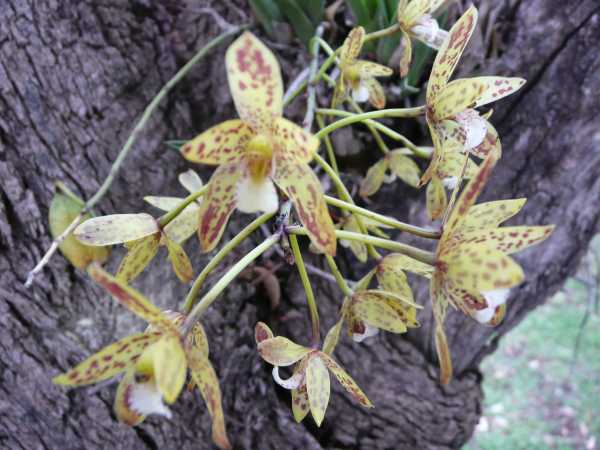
point(75, 75)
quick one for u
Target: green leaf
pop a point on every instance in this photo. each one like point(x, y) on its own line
point(301, 23)
point(361, 10)
point(315, 10)
point(267, 12)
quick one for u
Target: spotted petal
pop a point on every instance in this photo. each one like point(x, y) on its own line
point(300, 402)
point(179, 260)
point(139, 255)
point(479, 268)
point(414, 11)
point(374, 310)
point(302, 186)
point(497, 88)
point(491, 144)
point(108, 362)
point(491, 214)
point(346, 380)
point(332, 338)
point(280, 351)
point(452, 165)
point(318, 388)
point(262, 332)
point(116, 229)
point(376, 93)
point(404, 168)
point(507, 239)
point(131, 299)
point(436, 199)
point(398, 262)
point(255, 82)
point(457, 96)
point(406, 58)
point(368, 69)
point(223, 143)
point(206, 379)
point(123, 408)
point(352, 46)
point(218, 204)
point(182, 227)
point(294, 141)
point(450, 52)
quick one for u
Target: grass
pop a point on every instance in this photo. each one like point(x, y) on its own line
point(536, 395)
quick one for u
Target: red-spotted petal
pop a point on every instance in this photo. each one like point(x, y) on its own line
point(223, 143)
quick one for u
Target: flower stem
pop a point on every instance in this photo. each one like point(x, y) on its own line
point(378, 139)
point(137, 130)
point(382, 33)
point(311, 91)
point(341, 188)
point(328, 146)
point(408, 250)
point(216, 260)
point(390, 221)
point(310, 297)
point(346, 290)
point(229, 276)
point(420, 152)
point(167, 218)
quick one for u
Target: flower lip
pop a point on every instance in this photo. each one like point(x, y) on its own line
point(144, 398)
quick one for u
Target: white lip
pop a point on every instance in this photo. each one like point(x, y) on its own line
point(291, 383)
point(145, 399)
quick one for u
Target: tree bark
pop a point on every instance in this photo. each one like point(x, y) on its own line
point(74, 76)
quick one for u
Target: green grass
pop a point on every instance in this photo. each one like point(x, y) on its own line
point(534, 397)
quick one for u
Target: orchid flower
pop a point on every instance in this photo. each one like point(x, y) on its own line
point(473, 271)
point(182, 227)
point(142, 236)
point(451, 114)
point(358, 76)
point(398, 164)
point(155, 362)
point(310, 384)
point(416, 21)
point(258, 151)
point(349, 223)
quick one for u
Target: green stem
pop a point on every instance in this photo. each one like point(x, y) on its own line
point(390, 221)
point(420, 152)
point(382, 33)
point(167, 218)
point(378, 139)
point(354, 118)
point(408, 250)
point(220, 286)
point(137, 130)
point(343, 192)
point(338, 276)
point(310, 297)
point(311, 91)
point(216, 260)
point(328, 146)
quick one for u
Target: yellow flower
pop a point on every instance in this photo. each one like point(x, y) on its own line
point(416, 21)
point(258, 152)
point(155, 362)
point(451, 114)
point(358, 76)
point(398, 164)
point(473, 271)
point(309, 383)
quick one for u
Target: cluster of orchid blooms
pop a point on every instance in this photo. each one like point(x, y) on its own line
point(263, 157)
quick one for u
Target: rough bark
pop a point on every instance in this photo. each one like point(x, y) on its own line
point(73, 78)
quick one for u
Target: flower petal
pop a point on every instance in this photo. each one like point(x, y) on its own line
point(456, 97)
point(474, 129)
point(490, 144)
point(131, 299)
point(436, 198)
point(303, 188)
point(468, 197)
point(395, 262)
point(300, 403)
point(374, 178)
point(368, 69)
point(414, 11)
point(294, 141)
point(179, 260)
point(358, 248)
point(367, 332)
point(443, 352)
point(374, 310)
point(190, 180)
point(108, 362)
point(63, 210)
point(352, 46)
point(450, 52)
point(507, 239)
point(346, 380)
point(394, 280)
point(139, 254)
point(406, 57)
point(122, 406)
point(206, 379)
point(255, 82)
point(256, 196)
point(318, 388)
point(262, 332)
point(221, 144)
point(491, 214)
point(404, 168)
point(376, 93)
point(452, 164)
point(182, 227)
point(218, 204)
point(478, 268)
point(166, 361)
point(400, 9)
point(497, 88)
point(163, 203)
point(332, 338)
point(290, 383)
point(280, 351)
point(116, 229)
